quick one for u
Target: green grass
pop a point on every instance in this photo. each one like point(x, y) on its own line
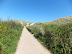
point(9, 35)
point(56, 36)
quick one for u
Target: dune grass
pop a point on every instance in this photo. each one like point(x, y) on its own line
point(9, 35)
point(57, 37)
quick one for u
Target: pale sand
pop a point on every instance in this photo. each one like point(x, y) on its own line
point(28, 44)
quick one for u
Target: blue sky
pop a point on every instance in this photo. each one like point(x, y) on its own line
point(35, 10)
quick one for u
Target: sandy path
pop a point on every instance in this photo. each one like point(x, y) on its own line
point(29, 45)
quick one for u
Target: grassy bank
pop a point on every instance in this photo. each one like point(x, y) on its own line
point(57, 37)
point(9, 35)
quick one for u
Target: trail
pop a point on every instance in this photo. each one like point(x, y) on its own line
point(29, 45)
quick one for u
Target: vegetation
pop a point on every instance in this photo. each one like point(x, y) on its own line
point(21, 22)
point(56, 36)
point(9, 36)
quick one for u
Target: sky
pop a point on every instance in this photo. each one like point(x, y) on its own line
point(35, 10)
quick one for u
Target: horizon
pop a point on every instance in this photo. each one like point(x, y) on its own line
point(35, 10)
